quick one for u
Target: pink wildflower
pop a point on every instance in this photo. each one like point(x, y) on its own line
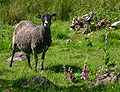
point(65, 71)
point(83, 74)
point(106, 38)
point(83, 69)
point(106, 43)
point(65, 74)
point(70, 77)
point(84, 66)
point(85, 78)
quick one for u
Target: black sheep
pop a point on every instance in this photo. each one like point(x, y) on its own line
point(34, 39)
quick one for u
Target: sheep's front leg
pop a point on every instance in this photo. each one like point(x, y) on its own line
point(28, 57)
point(13, 54)
point(36, 59)
point(42, 60)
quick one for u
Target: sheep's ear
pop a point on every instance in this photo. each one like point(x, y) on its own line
point(38, 16)
point(53, 14)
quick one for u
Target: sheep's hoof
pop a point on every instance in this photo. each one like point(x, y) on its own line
point(30, 67)
point(41, 69)
point(10, 65)
point(35, 70)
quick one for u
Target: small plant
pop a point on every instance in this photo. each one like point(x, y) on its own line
point(84, 71)
point(106, 49)
point(106, 40)
point(71, 79)
point(65, 71)
point(107, 57)
point(70, 75)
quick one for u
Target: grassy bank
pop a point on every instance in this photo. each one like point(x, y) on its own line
point(13, 11)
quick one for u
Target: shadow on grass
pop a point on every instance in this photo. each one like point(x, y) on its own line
point(11, 85)
point(15, 86)
point(110, 87)
point(59, 68)
point(5, 71)
point(4, 84)
point(82, 88)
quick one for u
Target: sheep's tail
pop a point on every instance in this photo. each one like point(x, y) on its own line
point(14, 35)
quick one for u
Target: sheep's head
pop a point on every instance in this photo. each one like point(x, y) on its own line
point(46, 19)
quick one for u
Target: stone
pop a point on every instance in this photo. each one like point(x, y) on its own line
point(19, 56)
point(37, 81)
point(106, 77)
point(67, 41)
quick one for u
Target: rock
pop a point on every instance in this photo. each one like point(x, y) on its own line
point(100, 68)
point(67, 41)
point(88, 17)
point(37, 82)
point(19, 56)
point(89, 34)
point(106, 77)
point(114, 68)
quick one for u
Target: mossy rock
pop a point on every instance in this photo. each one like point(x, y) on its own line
point(37, 81)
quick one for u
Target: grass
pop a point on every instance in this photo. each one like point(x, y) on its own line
point(12, 11)
point(71, 55)
point(5, 37)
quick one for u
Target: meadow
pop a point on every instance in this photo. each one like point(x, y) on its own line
point(81, 47)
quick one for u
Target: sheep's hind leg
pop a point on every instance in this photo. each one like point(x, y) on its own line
point(13, 55)
point(42, 60)
point(28, 57)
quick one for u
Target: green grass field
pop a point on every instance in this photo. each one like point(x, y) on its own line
point(81, 47)
point(71, 55)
